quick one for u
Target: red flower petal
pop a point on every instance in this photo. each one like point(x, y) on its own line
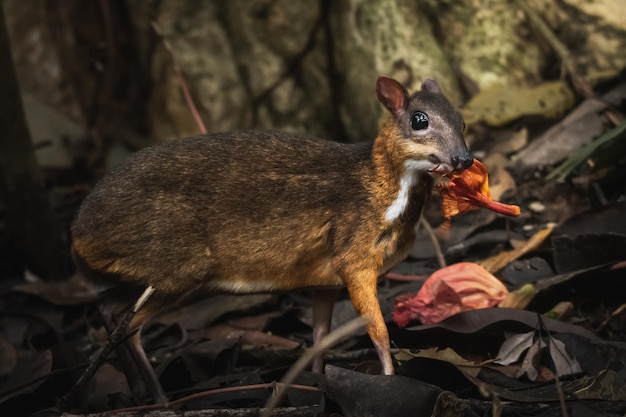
point(459, 287)
point(468, 191)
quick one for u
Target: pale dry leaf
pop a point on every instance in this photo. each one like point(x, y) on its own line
point(499, 261)
point(446, 355)
point(530, 364)
point(557, 143)
point(513, 347)
point(450, 356)
point(564, 364)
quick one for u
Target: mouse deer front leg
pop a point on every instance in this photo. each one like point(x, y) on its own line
point(362, 288)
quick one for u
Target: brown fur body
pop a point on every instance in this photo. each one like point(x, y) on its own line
point(248, 212)
point(198, 214)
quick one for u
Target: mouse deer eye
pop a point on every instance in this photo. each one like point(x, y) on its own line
point(419, 121)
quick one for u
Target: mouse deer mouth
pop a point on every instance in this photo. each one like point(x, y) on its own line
point(442, 170)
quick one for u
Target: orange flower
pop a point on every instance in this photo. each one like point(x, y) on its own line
point(468, 191)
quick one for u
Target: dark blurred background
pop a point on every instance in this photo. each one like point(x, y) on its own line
point(96, 81)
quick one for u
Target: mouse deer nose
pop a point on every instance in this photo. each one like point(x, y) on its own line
point(462, 162)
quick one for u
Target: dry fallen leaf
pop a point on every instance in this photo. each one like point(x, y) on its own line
point(499, 261)
point(514, 347)
point(530, 364)
point(447, 355)
point(564, 364)
point(573, 132)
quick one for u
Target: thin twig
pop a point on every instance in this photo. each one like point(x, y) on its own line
point(616, 313)
point(326, 343)
point(181, 80)
point(208, 393)
point(114, 339)
point(281, 387)
point(407, 278)
point(435, 242)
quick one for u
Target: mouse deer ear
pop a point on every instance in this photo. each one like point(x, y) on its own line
point(391, 93)
point(431, 86)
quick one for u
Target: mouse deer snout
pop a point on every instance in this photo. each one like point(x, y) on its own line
point(462, 162)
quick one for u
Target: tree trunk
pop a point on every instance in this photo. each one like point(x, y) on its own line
point(30, 225)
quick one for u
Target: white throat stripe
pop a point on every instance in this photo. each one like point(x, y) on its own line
point(407, 181)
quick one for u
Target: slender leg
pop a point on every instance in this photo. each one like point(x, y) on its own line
point(363, 293)
point(134, 359)
point(129, 366)
point(323, 304)
point(145, 367)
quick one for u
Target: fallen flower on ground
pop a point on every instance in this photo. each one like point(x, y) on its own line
point(450, 290)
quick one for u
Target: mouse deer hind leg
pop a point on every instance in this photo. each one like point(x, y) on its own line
point(133, 359)
point(323, 304)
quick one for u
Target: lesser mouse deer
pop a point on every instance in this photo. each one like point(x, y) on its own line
point(247, 212)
